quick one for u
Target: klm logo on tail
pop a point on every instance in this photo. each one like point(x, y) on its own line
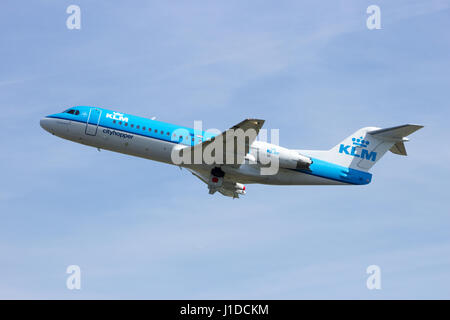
point(358, 144)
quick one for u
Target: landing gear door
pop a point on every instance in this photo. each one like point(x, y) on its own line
point(93, 121)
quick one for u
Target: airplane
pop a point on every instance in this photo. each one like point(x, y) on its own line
point(347, 163)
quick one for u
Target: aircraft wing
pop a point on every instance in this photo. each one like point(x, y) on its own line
point(226, 187)
point(235, 142)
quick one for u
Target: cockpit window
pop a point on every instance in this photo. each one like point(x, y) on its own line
point(72, 111)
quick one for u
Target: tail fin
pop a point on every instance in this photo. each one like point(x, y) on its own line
point(366, 146)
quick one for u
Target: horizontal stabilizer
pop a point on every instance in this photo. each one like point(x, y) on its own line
point(397, 135)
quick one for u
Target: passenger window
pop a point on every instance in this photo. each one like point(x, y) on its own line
point(126, 124)
point(114, 121)
point(143, 128)
point(120, 122)
point(168, 133)
point(137, 127)
point(162, 132)
point(132, 125)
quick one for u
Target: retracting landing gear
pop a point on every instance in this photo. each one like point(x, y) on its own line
point(215, 180)
point(216, 171)
point(228, 188)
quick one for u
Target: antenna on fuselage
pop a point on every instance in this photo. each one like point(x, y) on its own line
point(153, 118)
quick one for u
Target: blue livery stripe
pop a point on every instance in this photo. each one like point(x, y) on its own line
point(336, 172)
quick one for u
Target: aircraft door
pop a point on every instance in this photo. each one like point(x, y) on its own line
point(93, 121)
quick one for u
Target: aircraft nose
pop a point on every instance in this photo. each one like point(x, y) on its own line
point(45, 124)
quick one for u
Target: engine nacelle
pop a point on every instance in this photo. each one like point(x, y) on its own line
point(290, 159)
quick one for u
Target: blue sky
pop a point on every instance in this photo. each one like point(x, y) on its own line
point(140, 229)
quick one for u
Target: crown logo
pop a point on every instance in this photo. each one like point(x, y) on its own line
point(360, 142)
